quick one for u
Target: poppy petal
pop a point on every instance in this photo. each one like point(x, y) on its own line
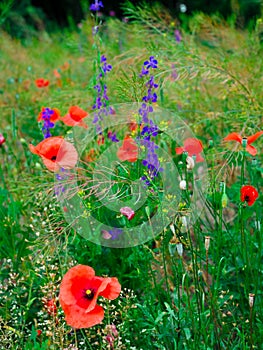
point(193, 146)
point(233, 137)
point(50, 165)
point(179, 150)
point(68, 120)
point(77, 317)
point(199, 158)
point(77, 113)
point(251, 149)
point(254, 137)
point(67, 156)
point(113, 289)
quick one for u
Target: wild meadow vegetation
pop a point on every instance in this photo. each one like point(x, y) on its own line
point(166, 239)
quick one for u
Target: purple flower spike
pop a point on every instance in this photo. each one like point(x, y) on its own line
point(96, 6)
point(178, 37)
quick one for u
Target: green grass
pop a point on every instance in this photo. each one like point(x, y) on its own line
point(197, 300)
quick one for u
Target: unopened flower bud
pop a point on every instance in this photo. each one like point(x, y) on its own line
point(222, 187)
point(184, 221)
point(190, 163)
point(251, 299)
point(207, 243)
point(224, 200)
point(180, 249)
point(210, 143)
point(182, 185)
point(172, 228)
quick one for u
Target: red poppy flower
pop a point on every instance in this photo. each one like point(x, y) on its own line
point(248, 194)
point(79, 291)
point(53, 118)
point(128, 151)
point(2, 139)
point(39, 332)
point(56, 153)
point(74, 117)
point(128, 212)
point(236, 137)
point(193, 146)
point(41, 83)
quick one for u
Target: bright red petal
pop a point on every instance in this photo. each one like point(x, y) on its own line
point(179, 150)
point(68, 120)
point(113, 289)
point(199, 158)
point(77, 113)
point(193, 146)
point(233, 137)
point(254, 137)
point(78, 317)
point(251, 149)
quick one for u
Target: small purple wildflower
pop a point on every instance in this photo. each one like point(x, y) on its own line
point(96, 6)
point(115, 233)
point(174, 73)
point(46, 115)
point(113, 137)
point(62, 176)
point(178, 37)
point(152, 63)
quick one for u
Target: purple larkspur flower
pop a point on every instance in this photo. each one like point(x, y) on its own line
point(96, 6)
point(152, 63)
point(46, 115)
point(149, 129)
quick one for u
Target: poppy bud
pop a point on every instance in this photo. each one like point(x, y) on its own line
point(224, 200)
point(207, 242)
point(254, 162)
point(180, 249)
point(210, 143)
point(251, 299)
point(190, 163)
point(172, 248)
point(182, 185)
point(172, 228)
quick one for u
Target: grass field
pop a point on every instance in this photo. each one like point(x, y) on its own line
point(189, 257)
